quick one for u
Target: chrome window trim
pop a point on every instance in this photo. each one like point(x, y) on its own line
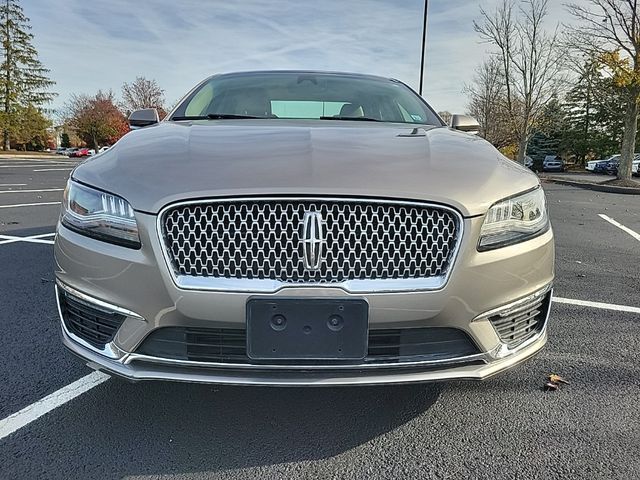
point(185, 282)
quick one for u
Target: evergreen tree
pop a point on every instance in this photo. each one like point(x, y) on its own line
point(547, 139)
point(608, 30)
point(595, 115)
point(23, 78)
point(31, 131)
point(64, 140)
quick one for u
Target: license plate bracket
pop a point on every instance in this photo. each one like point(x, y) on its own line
point(307, 329)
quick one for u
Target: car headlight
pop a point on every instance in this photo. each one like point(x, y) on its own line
point(514, 220)
point(99, 215)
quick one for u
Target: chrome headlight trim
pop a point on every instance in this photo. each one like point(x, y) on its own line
point(514, 220)
point(99, 215)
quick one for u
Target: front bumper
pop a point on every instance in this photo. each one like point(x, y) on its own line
point(139, 367)
point(138, 285)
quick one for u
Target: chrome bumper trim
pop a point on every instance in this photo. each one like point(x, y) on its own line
point(132, 357)
point(243, 285)
point(151, 371)
point(97, 302)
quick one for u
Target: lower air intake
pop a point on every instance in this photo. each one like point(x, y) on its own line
point(223, 345)
point(518, 324)
point(94, 325)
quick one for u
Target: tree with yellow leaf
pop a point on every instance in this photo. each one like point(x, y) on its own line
point(609, 30)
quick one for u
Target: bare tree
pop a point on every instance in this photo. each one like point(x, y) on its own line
point(610, 31)
point(143, 93)
point(486, 103)
point(445, 115)
point(528, 61)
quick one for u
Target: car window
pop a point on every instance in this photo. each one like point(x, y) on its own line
point(200, 100)
point(311, 96)
point(304, 109)
point(405, 115)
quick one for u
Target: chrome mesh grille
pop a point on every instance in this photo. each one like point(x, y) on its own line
point(262, 239)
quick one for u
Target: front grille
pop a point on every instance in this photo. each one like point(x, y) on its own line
point(94, 325)
point(385, 346)
point(436, 343)
point(516, 325)
point(263, 239)
point(197, 344)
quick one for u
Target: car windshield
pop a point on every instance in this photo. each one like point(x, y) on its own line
point(310, 96)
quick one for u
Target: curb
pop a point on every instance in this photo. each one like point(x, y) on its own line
point(593, 186)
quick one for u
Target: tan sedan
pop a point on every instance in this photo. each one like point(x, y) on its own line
point(303, 228)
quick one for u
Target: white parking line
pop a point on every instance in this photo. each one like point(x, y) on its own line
point(635, 235)
point(13, 184)
point(52, 169)
point(45, 160)
point(34, 411)
point(33, 166)
point(603, 306)
point(33, 191)
point(18, 205)
point(32, 239)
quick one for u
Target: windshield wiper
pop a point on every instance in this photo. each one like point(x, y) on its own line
point(358, 119)
point(215, 116)
point(222, 116)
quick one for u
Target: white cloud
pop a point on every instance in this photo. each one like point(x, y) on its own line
point(103, 43)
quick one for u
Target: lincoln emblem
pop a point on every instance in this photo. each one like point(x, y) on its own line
point(313, 240)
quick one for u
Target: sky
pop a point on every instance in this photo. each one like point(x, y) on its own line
point(99, 44)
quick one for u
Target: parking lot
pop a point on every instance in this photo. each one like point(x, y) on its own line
point(505, 427)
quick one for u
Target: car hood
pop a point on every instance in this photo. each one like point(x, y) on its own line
point(172, 161)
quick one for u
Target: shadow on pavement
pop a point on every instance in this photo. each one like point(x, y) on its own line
point(160, 428)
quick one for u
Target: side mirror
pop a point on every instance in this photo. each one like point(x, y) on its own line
point(143, 118)
point(464, 123)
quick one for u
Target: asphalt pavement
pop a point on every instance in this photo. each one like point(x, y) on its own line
point(502, 428)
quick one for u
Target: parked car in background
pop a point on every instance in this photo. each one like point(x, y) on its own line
point(612, 169)
point(590, 165)
point(70, 151)
point(552, 163)
point(635, 168)
point(82, 152)
point(528, 162)
point(61, 150)
point(104, 149)
point(604, 166)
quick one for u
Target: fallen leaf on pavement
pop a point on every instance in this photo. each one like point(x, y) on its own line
point(557, 379)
